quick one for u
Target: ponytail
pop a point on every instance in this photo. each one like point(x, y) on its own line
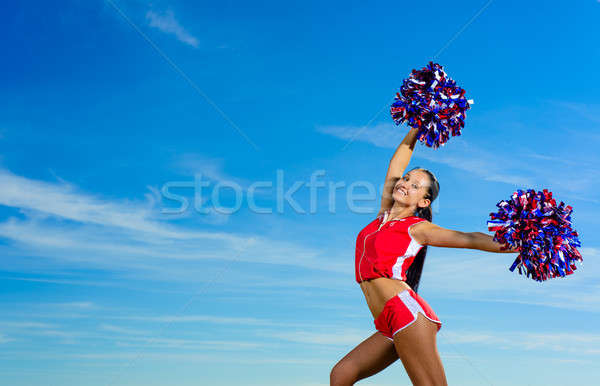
point(413, 273)
point(424, 213)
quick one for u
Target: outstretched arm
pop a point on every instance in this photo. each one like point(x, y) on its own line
point(427, 233)
point(397, 166)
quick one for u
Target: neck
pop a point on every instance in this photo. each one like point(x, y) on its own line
point(397, 211)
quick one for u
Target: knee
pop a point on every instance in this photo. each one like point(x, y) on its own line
point(430, 381)
point(427, 375)
point(343, 374)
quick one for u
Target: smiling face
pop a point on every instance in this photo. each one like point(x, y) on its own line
point(411, 189)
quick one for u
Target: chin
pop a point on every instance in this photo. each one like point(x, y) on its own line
point(398, 197)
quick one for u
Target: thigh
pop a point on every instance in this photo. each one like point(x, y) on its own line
point(416, 347)
point(368, 358)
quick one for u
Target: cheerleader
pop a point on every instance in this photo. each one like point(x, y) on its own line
point(390, 252)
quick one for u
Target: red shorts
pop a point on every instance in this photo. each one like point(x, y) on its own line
point(401, 311)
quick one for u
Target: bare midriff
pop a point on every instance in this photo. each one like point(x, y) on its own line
point(378, 291)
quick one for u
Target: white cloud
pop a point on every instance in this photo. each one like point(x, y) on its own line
point(381, 135)
point(188, 357)
point(63, 200)
point(210, 172)
point(587, 111)
point(122, 330)
point(342, 337)
point(99, 234)
point(26, 325)
point(574, 343)
point(71, 226)
point(457, 153)
point(75, 305)
point(167, 23)
point(59, 333)
point(192, 344)
point(212, 169)
point(199, 318)
point(107, 247)
point(62, 281)
point(511, 165)
point(578, 291)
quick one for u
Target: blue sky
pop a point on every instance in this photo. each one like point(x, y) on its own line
point(111, 110)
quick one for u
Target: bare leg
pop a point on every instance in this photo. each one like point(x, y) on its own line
point(368, 358)
point(417, 348)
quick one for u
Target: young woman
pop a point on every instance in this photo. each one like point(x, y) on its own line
point(390, 252)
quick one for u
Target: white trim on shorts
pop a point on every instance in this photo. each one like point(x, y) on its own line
point(414, 307)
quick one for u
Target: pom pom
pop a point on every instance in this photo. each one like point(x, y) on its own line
point(541, 231)
point(432, 103)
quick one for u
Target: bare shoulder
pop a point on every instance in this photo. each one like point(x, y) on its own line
point(419, 231)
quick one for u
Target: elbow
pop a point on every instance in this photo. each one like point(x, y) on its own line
point(471, 240)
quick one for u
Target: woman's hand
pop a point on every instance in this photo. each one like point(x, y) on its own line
point(513, 250)
point(427, 233)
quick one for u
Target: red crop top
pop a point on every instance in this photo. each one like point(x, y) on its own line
point(386, 251)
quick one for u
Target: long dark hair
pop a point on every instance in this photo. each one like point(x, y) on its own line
point(413, 274)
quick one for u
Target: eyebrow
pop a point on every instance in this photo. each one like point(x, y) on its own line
point(408, 175)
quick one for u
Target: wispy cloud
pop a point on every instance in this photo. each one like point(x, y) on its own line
point(458, 154)
point(126, 234)
point(59, 333)
point(381, 135)
point(167, 23)
point(212, 168)
point(199, 318)
point(341, 337)
point(62, 281)
point(186, 357)
point(4, 339)
point(210, 171)
point(574, 343)
point(587, 111)
point(507, 164)
point(123, 330)
point(64, 200)
point(579, 291)
point(105, 247)
point(73, 305)
point(26, 324)
point(191, 344)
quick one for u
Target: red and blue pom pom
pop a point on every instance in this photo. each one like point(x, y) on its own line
point(532, 223)
point(432, 103)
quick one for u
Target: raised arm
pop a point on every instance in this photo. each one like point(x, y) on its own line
point(398, 164)
point(426, 233)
